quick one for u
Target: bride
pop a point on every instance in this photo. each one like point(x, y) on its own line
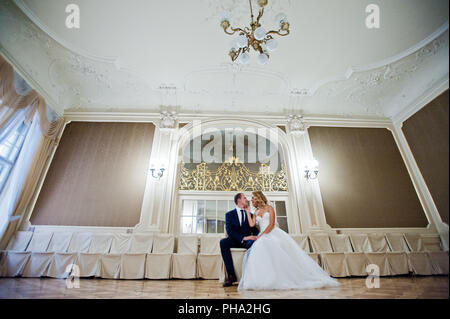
point(275, 261)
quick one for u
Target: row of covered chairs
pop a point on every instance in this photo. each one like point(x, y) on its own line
point(343, 255)
point(144, 255)
point(114, 256)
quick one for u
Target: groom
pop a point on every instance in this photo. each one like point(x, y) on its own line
point(240, 235)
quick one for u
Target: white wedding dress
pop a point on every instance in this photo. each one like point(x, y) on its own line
point(275, 261)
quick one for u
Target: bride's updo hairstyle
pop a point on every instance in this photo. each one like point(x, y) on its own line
point(260, 198)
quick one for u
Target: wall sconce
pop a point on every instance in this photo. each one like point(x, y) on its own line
point(157, 171)
point(312, 169)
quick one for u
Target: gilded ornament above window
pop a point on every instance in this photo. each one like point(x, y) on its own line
point(232, 176)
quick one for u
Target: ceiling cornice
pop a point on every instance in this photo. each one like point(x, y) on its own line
point(380, 64)
point(69, 46)
point(404, 114)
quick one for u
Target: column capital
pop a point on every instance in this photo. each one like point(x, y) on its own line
point(296, 124)
point(168, 120)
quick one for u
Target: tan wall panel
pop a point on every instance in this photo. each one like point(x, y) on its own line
point(97, 176)
point(427, 135)
point(363, 179)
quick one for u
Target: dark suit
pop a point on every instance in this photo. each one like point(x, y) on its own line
point(236, 234)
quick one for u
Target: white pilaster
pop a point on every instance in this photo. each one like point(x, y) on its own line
point(420, 185)
point(158, 195)
point(307, 194)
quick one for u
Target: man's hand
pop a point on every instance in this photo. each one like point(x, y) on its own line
point(250, 237)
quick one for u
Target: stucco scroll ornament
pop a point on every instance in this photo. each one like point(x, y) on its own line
point(168, 120)
point(296, 124)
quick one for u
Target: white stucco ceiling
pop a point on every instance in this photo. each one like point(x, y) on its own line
point(141, 54)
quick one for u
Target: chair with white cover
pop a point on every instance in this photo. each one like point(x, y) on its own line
point(158, 264)
point(397, 242)
point(357, 260)
point(101, 243)
point(89, 261)
point(38, 264)
point(40, 258)
point(184, 262)
point(141, 243)
point(237, 255)
point(321, 243)
point(13, 263)
point(438, 258)
point(341, 243)
point(333, 263)
point(302, 242)
point(316, 258)
point(62, 264)
point(378, 256)
point(357, 263)
point(133, 262)
point(360, 243)
point(439, 262)
point(431, 243)
point(20, 241)
point(80, 242)
point(60, 242)
point(209, 260)
point(414, 242)
point(14, 258)
point(378, 242)
point(398, 256)
point(62, 261)
point(110, 263)
point(40, 241)
point(420, 263)
point(418, 259)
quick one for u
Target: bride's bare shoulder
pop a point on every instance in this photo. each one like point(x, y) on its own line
point(268, 208)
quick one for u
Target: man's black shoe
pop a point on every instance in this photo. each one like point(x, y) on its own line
point(229, 281)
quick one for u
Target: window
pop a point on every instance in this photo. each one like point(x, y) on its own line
point(204, 216)
point(9, 151)
point(200, 216)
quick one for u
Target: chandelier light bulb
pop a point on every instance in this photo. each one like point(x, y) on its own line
point(263, 58)
point(244, 58)
point(226, 16)
point(242, 41)
point(280, 18)
point(271, 45)
point(260, 33)
point(234, 45)
point(262, 3)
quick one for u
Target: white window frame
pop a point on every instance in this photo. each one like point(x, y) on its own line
point(10, 163)
point(223, 195)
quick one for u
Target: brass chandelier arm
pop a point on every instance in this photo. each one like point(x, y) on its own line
point(235, 30)
point(261, 12)
point(278, 32)
point(251, 11)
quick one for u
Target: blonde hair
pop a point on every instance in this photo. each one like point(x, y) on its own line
point(260, 198)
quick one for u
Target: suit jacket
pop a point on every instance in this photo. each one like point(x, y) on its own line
point(234, 230)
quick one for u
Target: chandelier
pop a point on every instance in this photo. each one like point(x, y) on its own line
point(254, 37)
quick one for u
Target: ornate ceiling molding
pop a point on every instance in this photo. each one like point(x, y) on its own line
point(69, 46)
point(379, 64)
point(73, 79)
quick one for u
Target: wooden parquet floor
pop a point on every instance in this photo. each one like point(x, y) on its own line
point(390, 287)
